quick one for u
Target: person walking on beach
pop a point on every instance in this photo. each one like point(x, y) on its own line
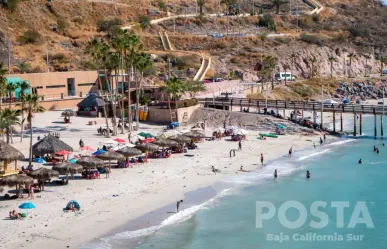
point(240, 145)
point(290, 152)
point(107, 172)
point(321, 141)
point(178, 205)
point(262, 159)
point(81, 144)
point(31, 192)
point(325, 137)
point(275, 174)
point(129, 135)
point(308, 174)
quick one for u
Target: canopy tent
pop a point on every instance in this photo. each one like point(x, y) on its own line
point(109, 156)
point(50, 145)
point(8, 154)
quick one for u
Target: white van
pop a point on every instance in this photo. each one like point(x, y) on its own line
point(284, 75)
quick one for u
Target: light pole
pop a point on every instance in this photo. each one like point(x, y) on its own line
point(322, 106)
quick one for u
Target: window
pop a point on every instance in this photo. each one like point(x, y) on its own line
point(86, 84)
point(56, 86)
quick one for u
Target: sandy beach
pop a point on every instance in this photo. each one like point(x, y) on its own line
point(130, 192)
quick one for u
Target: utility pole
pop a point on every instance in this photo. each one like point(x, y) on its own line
point(9, 55)
point(169, 68)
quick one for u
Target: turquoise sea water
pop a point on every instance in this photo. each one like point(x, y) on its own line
point(228, 221)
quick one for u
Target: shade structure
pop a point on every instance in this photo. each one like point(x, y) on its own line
point(128, 151)
point(50, 145)
point(43, 174)
point(90, 162)
point(68, 113)
point(73, 203)
point(197, 129)
point(110, 155)
point(87, 148)
point(166, 143)
point(92, 100)
point(119, 140)
point(68, 168)
point(62, 153)
point(14, 180)
point(147, 147)
point(181, 139)
point(27, 205)
point(241, 132)
point(9, 153)
point(194, 134)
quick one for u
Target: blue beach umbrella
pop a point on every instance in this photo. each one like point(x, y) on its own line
point(39, 160)
point(27, 205)
point(99, 152)
point(346, 101)
point(74, 203)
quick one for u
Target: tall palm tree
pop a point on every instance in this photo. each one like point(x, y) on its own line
point(269, 64)
point(193, 87)
point(23, 66)
point(278, 4)
point(350, 56)
point(23, 85)
point(3, 82)
point(201, 4)
point(174, 89)
point(8, 118)
point(11, 88)
point(293, 58)
point(286, 67)
point(332, 59)
point(143, 62)
point(31, 107)
point(98, 50)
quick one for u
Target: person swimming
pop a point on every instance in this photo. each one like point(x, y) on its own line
point(377, 151)
point(308, 175)
point(360, 161)
point(374, 148)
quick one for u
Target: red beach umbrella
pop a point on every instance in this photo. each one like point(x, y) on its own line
point(87, 148)
point(119, 140)
point(62, 153)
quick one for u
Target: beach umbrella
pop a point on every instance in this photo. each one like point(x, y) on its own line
point(109, 156)
point(49, 145)
point(62, 153)
point(147, 147)
point(87, 148)
point(197, 129)
point(90, 162)
point(27, 205)
point(194, 134)
point(181, 139)
point(98, 152)
point(110, 142)
point(14, 180)
point(67, 168)
point(146, 135)
point(68, 113)
point(74, 203)
point(241, 132)
point(119, 140)
point(39, 160)
point(128, 151)
point(43, 174)
point(9, 153)
point(166, 143)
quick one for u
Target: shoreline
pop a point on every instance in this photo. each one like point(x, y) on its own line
point(142, 189)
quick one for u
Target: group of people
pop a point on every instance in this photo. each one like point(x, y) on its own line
point(376, 149)
point(15, 216)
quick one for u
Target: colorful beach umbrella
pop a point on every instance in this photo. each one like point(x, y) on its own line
point(62, 153)
point(39, 160)
point(27, 205)
point(119, 140)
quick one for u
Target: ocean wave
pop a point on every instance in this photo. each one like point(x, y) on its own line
point(313, 154)
point(343, 142)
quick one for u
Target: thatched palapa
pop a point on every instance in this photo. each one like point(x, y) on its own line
point(147, 147)
point(194, 134)
point(166, 143)
point(109, 156)
point(43, 174)
point(181, 139)
point(68, 113)
point(128, 151)
point(90, 162)
point(68, 168)
point(50, 145)
point(9, 153)
point(14, 180)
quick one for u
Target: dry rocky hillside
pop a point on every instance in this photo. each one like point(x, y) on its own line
point(62, 28)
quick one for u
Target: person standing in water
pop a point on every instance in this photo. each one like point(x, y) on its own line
point(377, 150)
point(325, 137)
point(275, 174)
point(374, 148)
point(360, 161)
point(178, 205)
point(262, 159)
point(308, 175)
point(290, 152)
point(321, 141)
point(314, 145)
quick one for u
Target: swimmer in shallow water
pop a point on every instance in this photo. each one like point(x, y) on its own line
point(275, 174)
point(360, 161)
point(308, 175)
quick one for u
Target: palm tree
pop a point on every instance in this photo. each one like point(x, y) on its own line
point(350, 56)
point(143, 62)
point(286, 67)
point(23, 85)
point(269, 64)
point(193, 87)
point(11, 88)
point(383, 61)
point(332, 59)
point(8, 118)
point(200, 4)
point(3, 82)
point(23, 66)
point(278, 4)
point(263, 37)
point(98, 50)
point(174, 89)
point(293, 57)
point(31, 107)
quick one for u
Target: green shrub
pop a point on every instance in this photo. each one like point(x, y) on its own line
point(61, 26)
point(312, 39)
point(316, 18)
point(144, 21)
point(11, 4)
point(185, 103)
point(359, 31)
point(268, 22)
point(58, 57)
point(105, 25)
point(30, 36)
point(162, 5)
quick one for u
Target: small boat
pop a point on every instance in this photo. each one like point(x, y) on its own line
point(268, 135)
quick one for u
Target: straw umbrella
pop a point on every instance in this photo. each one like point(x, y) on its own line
point(9, 153)
point(68, 113)
point(67, 168)
point(194, 134)
point(147, 147)
point(15, 180)
point(50, 145)
point(109, 156)
point(129, 152)
point(90, 162)
point(42, 175)
point(166, 143)
point(181, 139)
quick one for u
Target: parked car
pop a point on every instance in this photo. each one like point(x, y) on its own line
point(385, 71)
point(284, 75)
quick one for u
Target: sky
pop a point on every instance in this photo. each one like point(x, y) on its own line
point(384, 1)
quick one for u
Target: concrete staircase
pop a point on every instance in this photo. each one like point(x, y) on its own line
point(206, 65)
